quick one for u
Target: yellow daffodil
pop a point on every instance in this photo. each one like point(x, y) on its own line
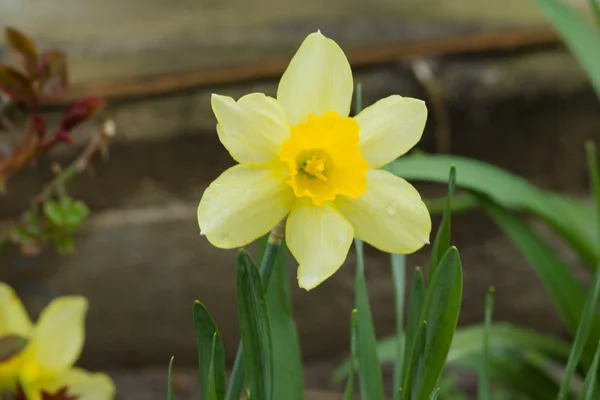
point(303, 157)
point(45, 367)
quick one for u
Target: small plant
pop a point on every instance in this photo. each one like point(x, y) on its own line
point(53, 216)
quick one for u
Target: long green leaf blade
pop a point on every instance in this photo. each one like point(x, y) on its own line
point(442, 239)
point(369, 370)
point(596, 10)
point(569, 217)
point(212, 381)
point(287, 362)
point(349, 392)
point(398, 262)
point(580, 37)
point(415, 308)
point(441, 309)
point(170, 393)
point(589, 385)
point(254, 329)
point(206, 329)
point(591, 302)
point(483, 388)
point(415, 363)
point(564, 290)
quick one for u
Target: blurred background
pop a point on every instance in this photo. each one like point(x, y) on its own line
point(499, 86)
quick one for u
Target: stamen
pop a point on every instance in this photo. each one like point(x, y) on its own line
point(315, 167)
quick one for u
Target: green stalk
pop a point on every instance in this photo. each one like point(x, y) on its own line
point(236, 383)
point(399, 279)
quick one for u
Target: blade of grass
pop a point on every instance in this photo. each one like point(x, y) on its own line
point(206, 329)
point(591, 301)
point(483, 389)
point(236, 383)
point(254, 329)
point(415, 307)
point(369, 370)
point(170, 394)
point(442, 238)
point(595, 10)
point(415, 361)
point(349, 392)
point(589, 385)
point(212, 382)
point(399, 279)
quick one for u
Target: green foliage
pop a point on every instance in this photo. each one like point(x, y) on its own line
point(211, 355)
point(349, 392)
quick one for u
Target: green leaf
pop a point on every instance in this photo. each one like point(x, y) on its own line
point(349, 392)
point(564, 290)
point(484, 381)
point(254, 329)
point(398, 262)
point(10, 346)
point(442, 238)
point(54, 212)
point(591, 302)
point(441, 309)
point(596, 10)
point(287, 361)
point(206, 329)
point(415, 364)
point(582, 39)
point(589, 385)
point(64, 244)
point(569, 217)
point(468, 342)
point(415, 308)
point(76, 214)
point(211, 391)
point(369, 370)
point(170, 394)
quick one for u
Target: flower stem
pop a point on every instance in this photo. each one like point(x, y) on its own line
point(236, 383)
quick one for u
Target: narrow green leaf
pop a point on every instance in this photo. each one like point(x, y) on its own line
point(591, 303)
point(483, 388)
point(596, 10)
point(236, 383)
point(580, 37)
point(11, 345)
point(441, 309)
point(565, 291)
point(206, 334)
point(287, 362)
point(468, 342)
point(369, 370)
point(415, 308)
point(435, 394)
point(398, 262)
point(415, 364)
point(442, 238)
point(170, 393)
point(254, 329)
point(212, 384)
point(569, 217)
point(589, 385)
point(349, 392)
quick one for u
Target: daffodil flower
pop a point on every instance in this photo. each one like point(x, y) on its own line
point(303, 157)
point(45, 367)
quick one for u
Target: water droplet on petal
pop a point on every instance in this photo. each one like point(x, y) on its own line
point(392, 207)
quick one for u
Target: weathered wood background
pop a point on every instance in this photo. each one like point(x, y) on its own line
point(140, 260)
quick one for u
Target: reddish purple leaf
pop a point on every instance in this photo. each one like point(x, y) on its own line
point(24, 48)
point(80, 112)
point(53, 73)
point(63, 136)
point(16, 85)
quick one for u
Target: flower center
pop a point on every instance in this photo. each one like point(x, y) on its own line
point(324, 159)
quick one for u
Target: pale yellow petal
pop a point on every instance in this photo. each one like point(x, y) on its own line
point(390, 215)
point(60, 333)
point(13, 316)
point(243, 204)
point(319, 238)
point(317, 80)
point(251, 129)
point(390, 128)
point(82, 384)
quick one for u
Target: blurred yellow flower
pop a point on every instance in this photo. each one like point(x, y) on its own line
point(301, 156)
point(45, 367)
